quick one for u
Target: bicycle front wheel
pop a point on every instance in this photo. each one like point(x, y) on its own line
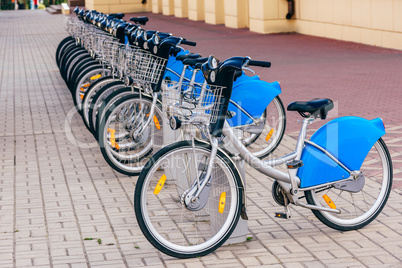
point(263, 139)
point(124, 150)
point(171, 226)
point(357, 208)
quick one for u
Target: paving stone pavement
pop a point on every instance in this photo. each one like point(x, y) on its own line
point(54, 195)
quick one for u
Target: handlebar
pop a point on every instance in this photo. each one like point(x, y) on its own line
point(189, 43)
point(265, 64)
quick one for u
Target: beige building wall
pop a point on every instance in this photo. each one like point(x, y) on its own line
point(372, 22)
point(117, 6)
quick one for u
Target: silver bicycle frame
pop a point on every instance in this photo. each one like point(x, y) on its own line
point(288, 181)
point(267, 167)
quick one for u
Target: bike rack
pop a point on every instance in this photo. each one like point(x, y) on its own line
point(239, 235)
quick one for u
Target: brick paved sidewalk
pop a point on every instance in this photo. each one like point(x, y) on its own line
point(54, 195)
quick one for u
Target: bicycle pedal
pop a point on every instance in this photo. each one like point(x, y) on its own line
point(281, 215)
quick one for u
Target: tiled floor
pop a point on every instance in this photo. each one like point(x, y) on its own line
point(55, 195)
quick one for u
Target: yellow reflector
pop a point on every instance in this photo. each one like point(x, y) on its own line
point(96, 76)
point(222, 201)
point(160, 184)
point(269, 135)
point(156, 121)
point(112, 137)
point(329, 201)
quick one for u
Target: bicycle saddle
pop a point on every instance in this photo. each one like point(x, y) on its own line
point(139, 20)
point(193, 62)
point(316, 107)
point(116, 15)
point(188, 56)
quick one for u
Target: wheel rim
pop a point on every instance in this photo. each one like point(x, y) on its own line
point(104, 107)
point(169, 222)
point(85, 83)
point(356, 208)
point(131, 158)
point(99, 100)
point(87, 103)
point(274, 122)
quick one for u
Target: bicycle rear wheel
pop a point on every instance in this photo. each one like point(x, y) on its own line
point(164, 219)
point(360, 208)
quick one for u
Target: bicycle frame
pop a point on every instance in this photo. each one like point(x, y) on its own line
point(290, 182)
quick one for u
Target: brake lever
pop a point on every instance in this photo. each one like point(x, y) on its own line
point(248, 69)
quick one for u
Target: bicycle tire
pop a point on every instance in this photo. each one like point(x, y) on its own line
point(67, 58)
point(74, 62)
point(83, 68)
point(59, 50)
point(110, 100)
point(162, 217)
point(131, 154)
point(265, 142)
point(88, 101)
point(354, 204)
point(83, 82)
point(75, 70)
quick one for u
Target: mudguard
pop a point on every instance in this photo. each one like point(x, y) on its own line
point(348, 139)
point(253, 95)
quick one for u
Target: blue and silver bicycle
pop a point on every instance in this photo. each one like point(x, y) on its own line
point(190, 194)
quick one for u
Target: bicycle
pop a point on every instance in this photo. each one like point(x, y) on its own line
point(190, 195)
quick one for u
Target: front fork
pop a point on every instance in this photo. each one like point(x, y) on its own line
point(198, 186)
point(142, 127)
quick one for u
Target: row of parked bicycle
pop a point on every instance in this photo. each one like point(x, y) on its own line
point(177, 119)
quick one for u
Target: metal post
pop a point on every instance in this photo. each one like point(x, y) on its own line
point(239, 235)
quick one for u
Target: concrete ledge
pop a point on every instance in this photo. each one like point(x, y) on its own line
point(65, 9)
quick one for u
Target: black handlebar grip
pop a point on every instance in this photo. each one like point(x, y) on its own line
point(189, 43)
point(266, 64)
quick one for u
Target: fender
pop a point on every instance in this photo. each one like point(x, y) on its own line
point(348, 139)
point(253, 95)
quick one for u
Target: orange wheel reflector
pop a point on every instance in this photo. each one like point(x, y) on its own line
point(222, 201)
point(86, 85)
point(112, 137)
point(329, 202)
point(82, 89)
point(156, 121)
point(96, 76)
point(269, 134)
point(82, 96)
point(160, 184)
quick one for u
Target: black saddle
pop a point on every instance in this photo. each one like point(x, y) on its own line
point(139, 20)
point(315, 107)
point(193, 62)
point(188, 56)
point(116, 15)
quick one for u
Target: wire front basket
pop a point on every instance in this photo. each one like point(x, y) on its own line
point(147, 68)
point(193, 104)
